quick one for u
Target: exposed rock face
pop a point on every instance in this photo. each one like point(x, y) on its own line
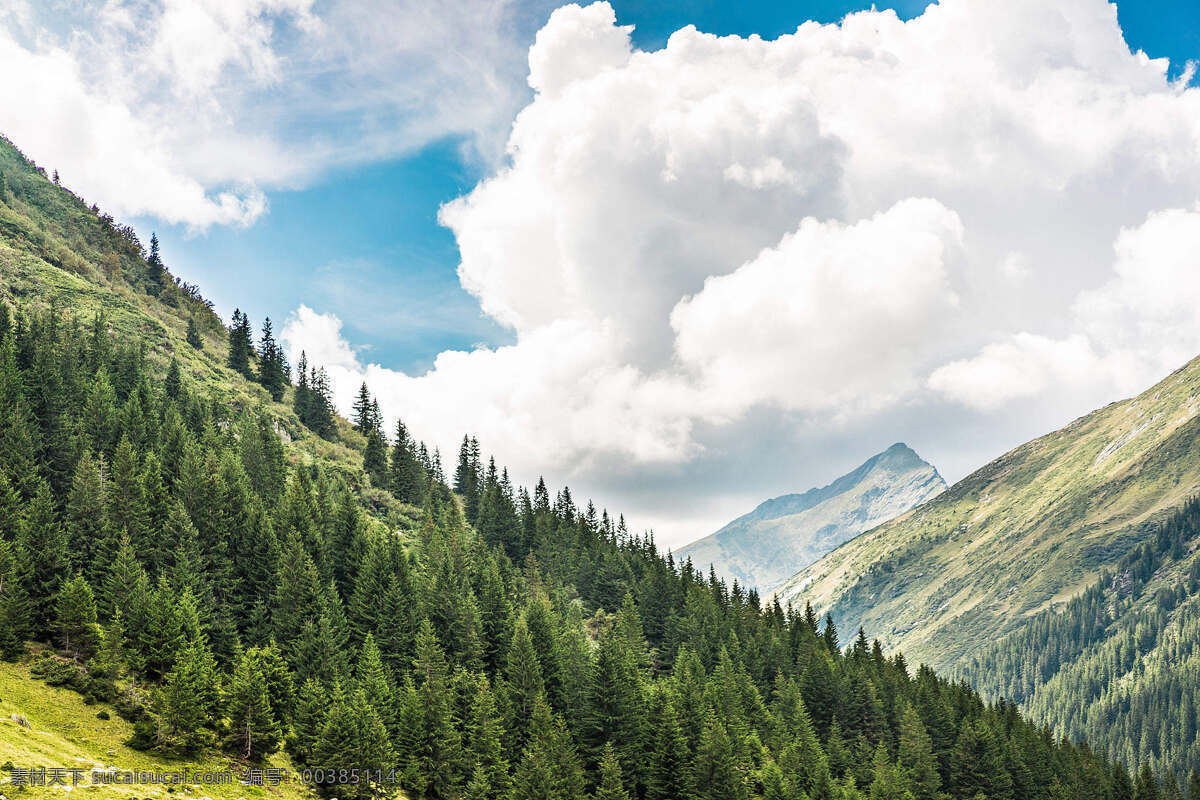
point(771, 543)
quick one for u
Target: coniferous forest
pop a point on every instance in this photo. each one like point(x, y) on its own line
point(227, 582)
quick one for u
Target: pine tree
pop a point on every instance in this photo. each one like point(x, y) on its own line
point(42, 551)
point(490, 776)
point(888, 782)
point(156, 271)
point(253, 731)
point(977, 765)
point(75, 617)
point(173, 385)
point(408, 479)
point(16, 621)
point(549, 767)
point(85, 518)
point(522, 687)
point(375, 684)
point(361, 407)
point(616, 711)
point(240, 348)
point(915, 756)
point(717, 771)
point(669, 772)
point(272, 365)
point(193, 334)
point(438, 753)
point(308, 720)
point(189, 701)
point(353, 734)
point(611, 787)
point(1146, 787)
point(375, 461)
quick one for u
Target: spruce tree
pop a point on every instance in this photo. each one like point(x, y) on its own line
point(717, 773)
point(189, 701)
point(75, 618)
point(42, 553)
point(253, 731)
point(240, 348)
point(193, 334)
point(485, 731)
point(611, 786)
point(16, 619)
point(361, 407)
point(669, 768)
point(156, 271)
point(272, 365)
point(85, 518)
point(915, 756)
point(522, 687)
point(408, 479)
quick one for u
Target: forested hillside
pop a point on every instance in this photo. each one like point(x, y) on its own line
point(1120, 665)
point(1021, 535)
point(191, 538)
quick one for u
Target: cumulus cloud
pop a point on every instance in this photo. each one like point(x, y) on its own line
point(850, 228)
point(189, 110)
point(1141, 323)
point(835, 317)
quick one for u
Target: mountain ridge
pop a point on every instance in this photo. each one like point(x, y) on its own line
point(1035, 526)
point(764, 546)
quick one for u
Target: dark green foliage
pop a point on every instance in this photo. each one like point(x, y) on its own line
point(611, 786)
point(75, 618)
point(313, 400)
point(193, 334)
point(241, 349)
point(1134, 633)
point(41, 553)
point(494, 644)
point(273, 372)
point(253, 731)
point(408, 479)
point(189, 700)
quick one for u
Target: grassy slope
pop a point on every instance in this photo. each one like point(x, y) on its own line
point(54, 251)
point(64, 732)
point(1022, 534)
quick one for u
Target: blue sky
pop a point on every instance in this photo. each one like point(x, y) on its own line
point(363, 242)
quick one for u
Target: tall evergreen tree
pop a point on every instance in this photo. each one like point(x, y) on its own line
point(240, 347)
point(75, 617)
point(42, 553)
point(253, 731)
point(272, 364)
point(193, 334)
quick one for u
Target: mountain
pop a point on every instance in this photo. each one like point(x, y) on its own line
point(1063, 575)
point(768, 545)
point(201, 567)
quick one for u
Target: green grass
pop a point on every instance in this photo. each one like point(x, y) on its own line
point(1023, 534)
point(65, 732)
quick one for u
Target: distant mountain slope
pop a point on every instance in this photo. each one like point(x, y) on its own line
point(1023, 534)
point(766, 546)
point(1120, 665)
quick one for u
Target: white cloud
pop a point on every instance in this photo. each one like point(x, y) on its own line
point(813, 234)
point(1024, 365)
point(188, 110)
point(1141, 323)
point(722, 236)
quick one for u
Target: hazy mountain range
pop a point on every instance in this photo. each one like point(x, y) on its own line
point(768, 545)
